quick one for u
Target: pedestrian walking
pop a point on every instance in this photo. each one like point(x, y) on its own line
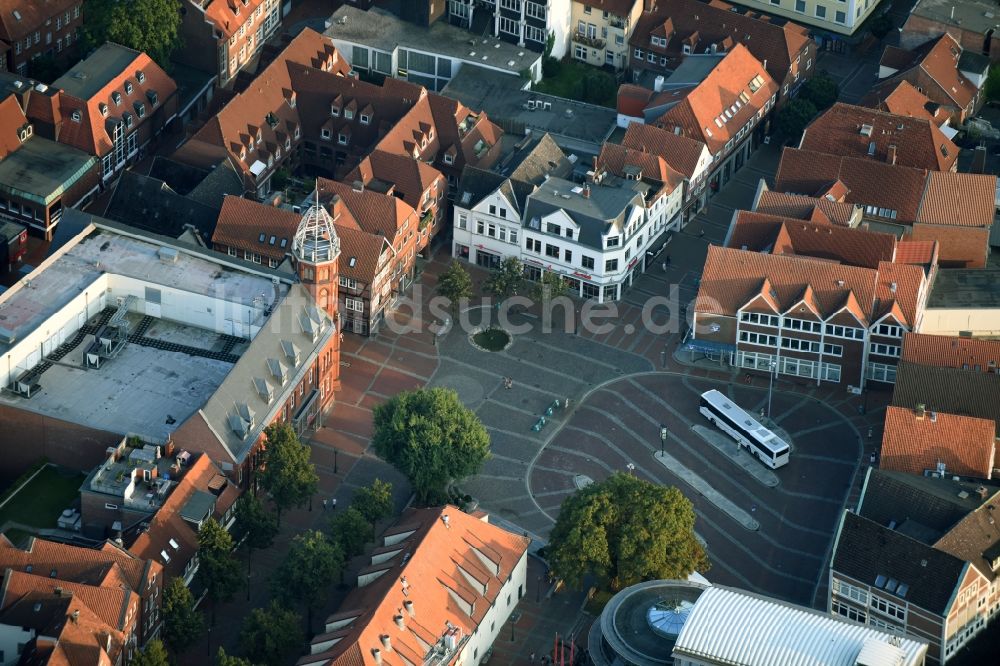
point(324, 505)
point(664, 267)
point(532, 657)
point(333, 504)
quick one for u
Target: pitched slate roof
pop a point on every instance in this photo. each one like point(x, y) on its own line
point(759, 232)
point(802, 207)
point(958, 199)
point(726, 100)
point(965, 444)
point(777, 44)
point(680, 152)
point(91, 87)
point(976, 538)
point(865, 550)
point(150, 204)
point(451, 572)
point(220, 181)
point(857, 131)
point(948, 351)
point(535, 161)
point(948, 390)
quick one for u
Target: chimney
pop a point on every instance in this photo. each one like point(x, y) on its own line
point(892, 287)
point(377, 655)
point(75, 616)
point(358, 186)
point(586, 191)
point(920, 410)
point(386, 642)
point(398, 619)
point(933, 416)
point(765, 64)
point(58, 591)
point(891, 154)
point(335, 206)
point(408, 605)
point(446, 520)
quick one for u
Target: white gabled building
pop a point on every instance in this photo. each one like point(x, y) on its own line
point(595, 235)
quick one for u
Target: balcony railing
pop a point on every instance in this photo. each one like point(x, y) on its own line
point(617, 22)
point(593, 42)
point(427, 220)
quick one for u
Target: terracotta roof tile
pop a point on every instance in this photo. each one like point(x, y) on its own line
point(959, 199)
point(110, 604)
point(633, 99)
point(913, 444)
point(947, 351)
point(950, 390)
point(31, 15)
point(778, 45)
point(916, 252)
point(803, 207)
point(373, 212)
point(243, 223)
point(934, 68)
point(725, 94)
point(958, 247)
point(615, 158)
point(12, 120)
point(227, 16)
point(844, 130)
point(409, 178)
point(361, 254)
point(680, 152)
point(901, 98)
point(431, 563)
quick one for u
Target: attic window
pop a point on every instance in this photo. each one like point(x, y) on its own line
point(944, 150)
point(365, 119)
point(128, 87)
point(271, 241)
point(348, 114)
point(140, 77)
point(449, 158)
point(288, 143)
point(278, 372)
point(116, 97)
point(140, 109)
point(127, 117)
point(165, 556)
point(151, 96)
point(261, 238)
point(342, 139)
point(334, 110)
point(325, 134)
point(174, 545)
point(284, 242)
point(103, 108)
point(866, 130)
point(243, 153)
point(76, 115)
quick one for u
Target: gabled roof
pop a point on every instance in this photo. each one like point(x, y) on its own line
point(111, 604)
point(98, 87)
point(622, 161)
point(964, 444)
point(12, 121)
point(976, 539)
point(227, 16)
point(934, 66)
point(780, 235)
point(779, 44)
point(448, 564)
point(724, 101)
point(168, 526)
point(536, 160)
point(680, 152)
point(373, 212)
point(18, 18)
point(958, 199)
point(251, 226)
point(150, 204)
point(802, 207)
point(857, 131)
point(948, 390)
point(899, 97)
point(948, 351)
point(866, 551)
point(361, 253)
point(407, 177)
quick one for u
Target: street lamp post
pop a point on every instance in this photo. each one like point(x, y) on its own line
point(335, 452)
point(663, 438)
point(631, 469)
point(772, 371)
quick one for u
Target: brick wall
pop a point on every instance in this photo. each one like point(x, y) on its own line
point(26, 437)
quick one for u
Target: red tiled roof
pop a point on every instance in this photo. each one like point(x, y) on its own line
point(933, 66)
point(779, 45)
point(680, 152)
point(451, 573)
point(916, 252)
point(958, 247)
point(803, 207)
point(373, 212)
point(90, 133)
point(902, 99)
point(615, 158)
point(168, 524)
point(958, 199)
point(408, 177)
point(723, 103)
point(946, 351)
point(227, 16)
point(110, 604)
point(843, 129)
point(362, 254)
point(12, 121)
point(242, 223)
point(633, 100)
point(870, 183)
point(966, 445)
point(31, 16)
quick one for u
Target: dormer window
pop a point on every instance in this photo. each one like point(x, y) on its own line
point(288, 143)
point(342, 139)
point(335, 110)
point(140, 77)
point(243, 154)
point(151, 96)
point(128, 88)
point(116, 97)
point(277, 154)
point(325, 134)
point(103, 108)
point(423, 142)
point(291, 99)
point(140, 109)
point(348, 114)
point(430, 134)
point(449, 158)
point(297, 133)
point(127, 117)
point(365, 119)
point(260, 137)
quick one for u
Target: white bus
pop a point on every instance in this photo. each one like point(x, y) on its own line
point(748, 433)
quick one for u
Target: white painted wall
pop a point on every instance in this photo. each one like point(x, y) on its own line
point(981, 322)
point(497, 615)
point(560, 18)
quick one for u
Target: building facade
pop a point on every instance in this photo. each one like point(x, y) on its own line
point(528, 23)
point(30, 30)
point(602, 29)
point(831, 16)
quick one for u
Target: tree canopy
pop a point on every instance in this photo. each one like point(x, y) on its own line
point(432, 438)
point(223, 659)
point(625, 530)
point(270, 635)
point(259, 524)
point(352, 530)
point(505, 279)
point(313, 562)
point(218, 570)
point(454, 283)
point(288, 475)
point(151, 26)
point(182, 624)
point(794, 117)
point(154, 654)
point(821, 90)
point(550, 286)
point(374, 501)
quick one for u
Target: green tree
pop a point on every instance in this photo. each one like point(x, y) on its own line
point(821, 90)
point(993, 84)
point(259, 524)
point(455, 283)
point(218, 571)
point(795, 116)
point(182, 624)
point(374, 501)
point(599, 88)
point(625, 530)
point(312, 564)
point(151, 26)
point(223, 659)
point(154, 654)
point(431, 437)
point(288, 476)
point(506, 278)
point(550, 286)
point(270, 635)
point(352, 530)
